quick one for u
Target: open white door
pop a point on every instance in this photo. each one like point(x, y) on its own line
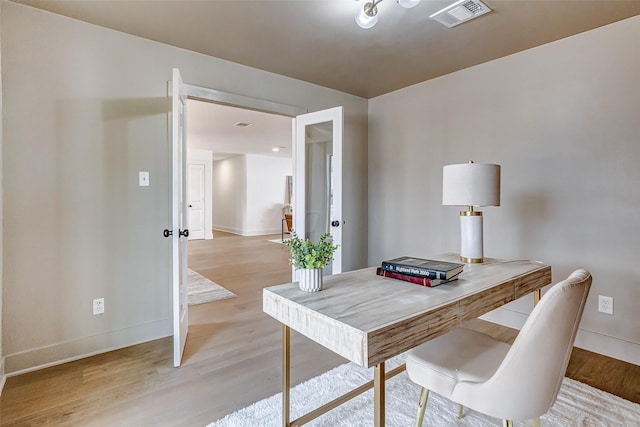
point(317, 159)
point(179, 231)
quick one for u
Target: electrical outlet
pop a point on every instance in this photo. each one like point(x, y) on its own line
point(605, 304)
point(98, 306)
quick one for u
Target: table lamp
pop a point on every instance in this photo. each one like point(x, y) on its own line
point(473, 185)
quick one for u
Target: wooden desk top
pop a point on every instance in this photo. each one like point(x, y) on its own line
point(368, 319)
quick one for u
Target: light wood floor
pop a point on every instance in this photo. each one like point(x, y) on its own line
point(232, 357)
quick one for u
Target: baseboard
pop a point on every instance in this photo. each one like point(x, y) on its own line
point(588, 340)
point(56, 354)
point(247, 233)
point(609, 346)
point(264, 232)
point(3, 377)
point(227, 229)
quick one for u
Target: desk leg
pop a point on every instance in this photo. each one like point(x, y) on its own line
point(536, 297)
point(378, 395)
point(286, 373)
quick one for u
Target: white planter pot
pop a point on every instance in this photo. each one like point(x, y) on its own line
point(311, 279)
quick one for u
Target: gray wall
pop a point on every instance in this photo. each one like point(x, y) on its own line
point(563, 121)
point(85, 109)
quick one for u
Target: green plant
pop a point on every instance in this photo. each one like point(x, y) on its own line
point(305, 254)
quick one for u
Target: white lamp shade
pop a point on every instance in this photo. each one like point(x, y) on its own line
point(471, 184)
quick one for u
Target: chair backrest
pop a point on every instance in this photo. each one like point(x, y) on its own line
point(526, 384)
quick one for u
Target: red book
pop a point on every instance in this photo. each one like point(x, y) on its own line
point(423, 281)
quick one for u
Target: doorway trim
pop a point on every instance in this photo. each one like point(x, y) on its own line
point(226, 98)
point(204, 94)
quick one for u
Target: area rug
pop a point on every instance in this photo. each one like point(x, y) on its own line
point(282, 242)
point(577, 405)
point(202, 290)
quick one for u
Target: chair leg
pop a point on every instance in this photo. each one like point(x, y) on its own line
point(422, 406)
point(507, 423)
point(536, 422)
point(460, 410)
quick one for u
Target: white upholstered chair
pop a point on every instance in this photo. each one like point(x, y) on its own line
point(512, 382)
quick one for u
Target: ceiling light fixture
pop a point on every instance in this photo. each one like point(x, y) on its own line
point(367, 15)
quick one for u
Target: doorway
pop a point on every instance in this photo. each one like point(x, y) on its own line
point(249, 105)
point(228, 126)
point(251, 153)
point(250, 162)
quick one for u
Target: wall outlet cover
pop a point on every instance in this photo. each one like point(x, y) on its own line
point(98, 306)
point(605, 304)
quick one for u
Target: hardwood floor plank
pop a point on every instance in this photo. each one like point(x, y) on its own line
point(232, 357)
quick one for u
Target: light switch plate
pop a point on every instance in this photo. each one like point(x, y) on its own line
point(144, 179)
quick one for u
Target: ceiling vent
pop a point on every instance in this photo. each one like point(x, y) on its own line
point(459, 12)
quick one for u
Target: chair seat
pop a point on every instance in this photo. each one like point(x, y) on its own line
point(439, 364)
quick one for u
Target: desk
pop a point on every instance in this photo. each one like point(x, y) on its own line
point(369, 319)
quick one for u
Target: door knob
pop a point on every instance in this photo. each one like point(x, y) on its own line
point(167, 232)
point(184, 233)
point(190, 206)
point(335, 223)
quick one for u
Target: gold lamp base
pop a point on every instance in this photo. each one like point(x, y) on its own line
point(471, 260)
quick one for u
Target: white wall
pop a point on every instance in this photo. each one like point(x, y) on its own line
point(249, 194)
point(266, 193)
point(230, 194)
point(562, 120)
point(86, 109)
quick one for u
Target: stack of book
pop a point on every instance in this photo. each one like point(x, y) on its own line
point(425, 272)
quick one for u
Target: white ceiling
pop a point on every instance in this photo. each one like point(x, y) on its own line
point(318, 41)
point(211, 127)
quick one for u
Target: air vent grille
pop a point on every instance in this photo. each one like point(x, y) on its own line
point(459, 12)
point(472, 7)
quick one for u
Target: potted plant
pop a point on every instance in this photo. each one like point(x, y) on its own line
point(310, 258)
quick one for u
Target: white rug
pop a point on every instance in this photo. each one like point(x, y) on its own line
point(577, 405)
point(202, 290)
